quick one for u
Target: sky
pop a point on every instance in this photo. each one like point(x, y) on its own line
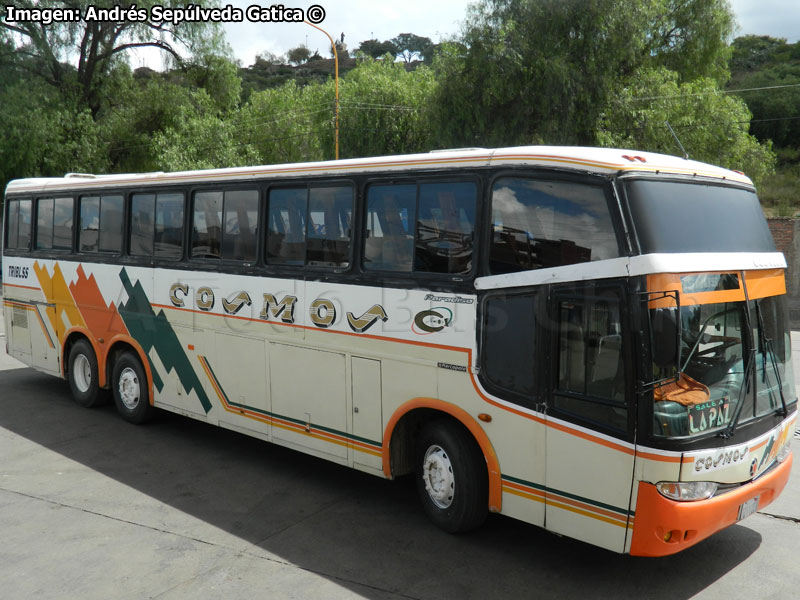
point(360, 20)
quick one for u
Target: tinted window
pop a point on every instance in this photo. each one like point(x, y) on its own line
point(44, 223)
point(391, 215)
point(427, 227)
point(508, 356)
point(445, 227)
point(207, 225)
point(157, 225)
point(110, 224)
point(310, 225)
point(241, 220)
point(330, 213)
point(538, 224)
point(168, 237)
point(100, 224)
point(591, 367)
point(286, 238)
point(90, 224)
point(674, 216)
point(19, 224)
point(62, 223)
point(141, 236)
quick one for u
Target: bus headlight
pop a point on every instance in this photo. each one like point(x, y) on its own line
point(686, 491)
point(784, 453)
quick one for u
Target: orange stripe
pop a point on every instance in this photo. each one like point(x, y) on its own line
point(22, 287)
point(286, 425)
point(555, 499)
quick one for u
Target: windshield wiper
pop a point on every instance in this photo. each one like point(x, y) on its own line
point(730, 430)
point(766, 344)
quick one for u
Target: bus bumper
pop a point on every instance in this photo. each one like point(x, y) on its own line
point(663, 526)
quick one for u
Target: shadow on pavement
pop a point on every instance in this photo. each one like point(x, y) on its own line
point(349, 527)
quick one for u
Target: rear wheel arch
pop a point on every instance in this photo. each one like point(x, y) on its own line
point(408, 421)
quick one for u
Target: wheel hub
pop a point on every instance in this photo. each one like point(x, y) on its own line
point(437, 474)
point(129, 388)
point(82, 373)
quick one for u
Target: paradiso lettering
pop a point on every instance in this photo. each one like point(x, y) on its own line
point(322, 311)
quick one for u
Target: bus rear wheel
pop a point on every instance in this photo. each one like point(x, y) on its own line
point(83, 375)
point(131, 392)
point(451, 475)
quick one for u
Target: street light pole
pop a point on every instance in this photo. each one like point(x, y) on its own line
point(336, 85)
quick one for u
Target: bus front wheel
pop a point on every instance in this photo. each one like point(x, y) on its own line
point(451, 475)
point(83, 375)
point(131, 395)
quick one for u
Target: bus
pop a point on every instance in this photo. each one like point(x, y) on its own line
point(593, 341)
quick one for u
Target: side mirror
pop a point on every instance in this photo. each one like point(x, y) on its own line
point(664, 325)
point(665, 336)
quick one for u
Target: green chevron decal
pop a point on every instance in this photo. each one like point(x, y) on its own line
point(153, 330)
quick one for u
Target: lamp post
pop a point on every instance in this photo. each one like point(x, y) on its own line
point(336, 85)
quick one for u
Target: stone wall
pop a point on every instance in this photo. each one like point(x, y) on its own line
point(786, 233)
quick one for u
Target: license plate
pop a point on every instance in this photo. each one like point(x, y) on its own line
point(748, 508)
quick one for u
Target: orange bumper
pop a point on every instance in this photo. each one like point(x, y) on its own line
point(683, 524)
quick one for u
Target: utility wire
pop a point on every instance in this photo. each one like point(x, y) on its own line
point(755, 89)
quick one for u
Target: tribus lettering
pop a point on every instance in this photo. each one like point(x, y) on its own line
point(17, 272)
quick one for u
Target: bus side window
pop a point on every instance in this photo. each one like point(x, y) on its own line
point(538, 224)
point(391, 215)
point(44, 223)
point(19, 225)
point(141, 230)
point(100, 224)
point(110, 238)
point(508, 357)
point(62, 223)
point(286, 237)
point(89, 224)
point(330, 213)
point(445, 227)
point(207, 225)
point(241, 220)
point(591, 374)
point(168, 235)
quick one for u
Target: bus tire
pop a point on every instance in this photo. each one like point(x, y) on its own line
point(83, 375)
point(451, 475)
point(131, 390)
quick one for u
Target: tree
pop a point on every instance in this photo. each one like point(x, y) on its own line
point(376, 49)
point(299, 55)
point(711, 126)
point(410, 47)
point(543, 71)
point(49, 51)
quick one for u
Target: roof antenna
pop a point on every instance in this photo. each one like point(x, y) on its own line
point(685, 153)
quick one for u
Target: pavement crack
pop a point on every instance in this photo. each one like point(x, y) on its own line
point(794, 520)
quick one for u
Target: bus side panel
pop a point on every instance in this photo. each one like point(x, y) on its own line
point(588, 485)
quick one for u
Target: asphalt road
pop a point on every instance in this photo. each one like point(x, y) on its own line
point(92, 507)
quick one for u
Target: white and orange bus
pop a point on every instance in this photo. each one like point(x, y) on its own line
point(594, 341)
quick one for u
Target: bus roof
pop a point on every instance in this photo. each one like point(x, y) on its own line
point(582, 159)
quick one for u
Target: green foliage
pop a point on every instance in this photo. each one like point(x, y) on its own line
point(764, 62)
point(386, 109)
point(298, 55)
point(543, 71)
point(375, 49)
point(410, 46)
point(44, 136)
point(711, 126)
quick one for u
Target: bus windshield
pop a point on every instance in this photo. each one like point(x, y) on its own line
point(679, 216)
point(735, 366)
